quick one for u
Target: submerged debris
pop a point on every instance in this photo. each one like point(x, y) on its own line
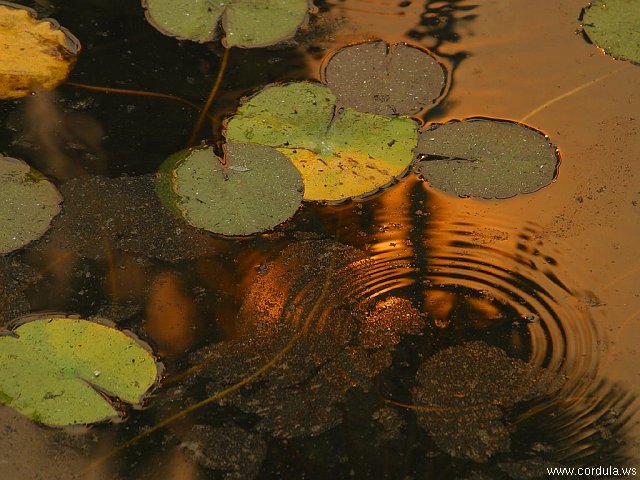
point(462, 392)
point(14, 276)
point(231, 450)
point(305, 304)
point(122, 213)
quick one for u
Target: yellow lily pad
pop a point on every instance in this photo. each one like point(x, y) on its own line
point(34, 54)
point(341, 153)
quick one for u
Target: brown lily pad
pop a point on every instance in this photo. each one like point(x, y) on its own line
point(378, 78)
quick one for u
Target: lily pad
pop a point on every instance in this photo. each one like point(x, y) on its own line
point(462, 391)
point(614, 26)
point(247, 23)
point(341, 153)
point(375, 77)
point(64, 371)
point(28, 203)
point(252, 190)
point(486, 158)
point(34, 53)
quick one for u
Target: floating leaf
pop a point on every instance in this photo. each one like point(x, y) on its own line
point(252, 190)
point(341, 153)
point(374, 77)
point(461, 393)
point(28, 203)
point(486, 158)
point(33, 53)
point(63, 371)
point(614, 26)
point(248, 23)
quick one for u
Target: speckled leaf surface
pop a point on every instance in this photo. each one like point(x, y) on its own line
point(63, 371)
point(28, 203)
point(34, 53)
point(614, 26)
point(374, 77)
point(341, 153)
point(486, 158)
point(247, 23)
point(252, 190)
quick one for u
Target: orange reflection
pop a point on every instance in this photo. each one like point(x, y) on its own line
point(171, 315)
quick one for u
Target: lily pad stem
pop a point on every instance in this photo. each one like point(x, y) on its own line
point(236, 386)
point(140, 93)
point(214, 90)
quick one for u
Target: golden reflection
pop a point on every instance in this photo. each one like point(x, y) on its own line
point(171, 315)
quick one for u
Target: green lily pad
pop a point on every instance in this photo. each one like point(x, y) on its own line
point(28, 203)
point(63, 371)
point(374, 77)
point(247, 23)
point(252, 190)
point(486, 158)
point(614, 26)
point(341, 153)
point(33, 53)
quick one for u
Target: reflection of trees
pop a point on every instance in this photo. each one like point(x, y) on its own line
point(438, 27)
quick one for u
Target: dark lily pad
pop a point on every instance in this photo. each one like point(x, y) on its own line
point(28, 203)
point(33, 53)
point(486, 158)
point(341, 153)
point(461, 393)
point(345, 341)
point(614, 26)
point(247, 23)
point(133, 220)
point(252, 190)
point(375, 77)
point(62, 371)
point(234, 452)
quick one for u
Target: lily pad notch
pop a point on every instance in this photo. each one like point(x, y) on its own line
point(486, 158)
point(247, 23)
point(34, 54)
point(252, 189)
point(61, 371)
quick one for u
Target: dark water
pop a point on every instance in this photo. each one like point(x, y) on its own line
point(548, 278)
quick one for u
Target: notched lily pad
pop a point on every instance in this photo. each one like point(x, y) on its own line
point(486, 158)
point(341, 153)
point(462, 391)
point(375, 77)
point(28, 203)
point(614, 26)
point(247, 23)
point(34, 53)
point(63, 371)
point(252, 190)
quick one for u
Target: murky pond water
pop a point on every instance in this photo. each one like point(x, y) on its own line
point(424, 335)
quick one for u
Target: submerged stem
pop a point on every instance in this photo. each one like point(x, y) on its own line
point(139, 93)
point(236, 386)
point(214, 91)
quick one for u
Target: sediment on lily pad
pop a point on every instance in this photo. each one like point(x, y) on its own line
point(63, 371)
point(34, 54)
point(486, 158)
point(462, 391)
point(247, 23)
point(614, 26)
point(340, 152)
point(28, 203)
point(252, 189)
point(375, 77)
